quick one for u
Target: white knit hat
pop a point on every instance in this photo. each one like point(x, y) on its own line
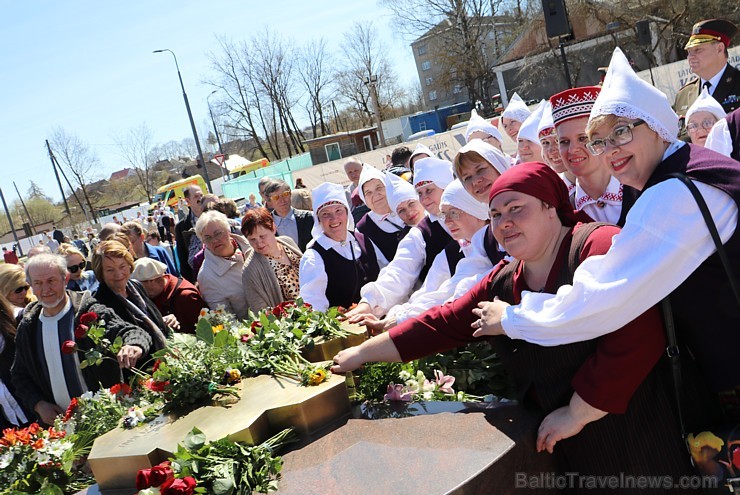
point(368, 173)
point(529, 127)
point(324, 194)
point(516, 109)
point(456, 195)
point(623, 94)
point(496, 158)
point(397, 191)
point(546, 125)
point(148, 269)
point(433, 170)
point(706, 103)
point(478, 123)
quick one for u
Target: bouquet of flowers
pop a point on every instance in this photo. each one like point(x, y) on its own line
point(222, 467)
point(34, 460)
point(93, 329)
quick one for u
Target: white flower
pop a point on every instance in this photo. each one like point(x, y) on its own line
point(428, 386)
point(6, 459)
point(57, 449)
point(413, 385)
point(42, 457)
point(428, 395)
point(149, 491)
point(404, 375)
point(87, 395)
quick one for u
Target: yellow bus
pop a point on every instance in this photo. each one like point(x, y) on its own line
point(172, 192)
point(249, 167)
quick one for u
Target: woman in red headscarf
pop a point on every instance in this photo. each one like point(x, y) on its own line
point(601, 399)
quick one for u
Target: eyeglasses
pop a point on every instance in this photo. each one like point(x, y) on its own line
point(22, 288)
point(705, 124)
point(619, 137)
point(217, 236)
point(76, 268)
point(452, 215)
point(284, 194)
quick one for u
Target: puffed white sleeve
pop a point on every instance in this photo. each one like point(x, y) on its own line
point(313, 280)
point(438, 273)
point(663, 241)
point(719, 138)
point(396, 281)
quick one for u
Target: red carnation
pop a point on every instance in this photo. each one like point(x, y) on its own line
point(255, 325)
point(282, 309)
point(81, 331)
point(88, 318)
point(156, 364)
point(178, 486)
point(245, 337)
point(69, 347)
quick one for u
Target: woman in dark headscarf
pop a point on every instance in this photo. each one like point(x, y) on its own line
point(600, 399)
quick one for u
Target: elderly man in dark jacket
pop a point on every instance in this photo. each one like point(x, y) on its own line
point(50, 345)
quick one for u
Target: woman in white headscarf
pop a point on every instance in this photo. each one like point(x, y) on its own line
point(514, 115)
point(416, 252)
point(701, 117)
point(380, 225)
point(480, 128)
point(464, 216)
point(336, 263)
point(527, 139)
point(403, 200)
point(664, 248)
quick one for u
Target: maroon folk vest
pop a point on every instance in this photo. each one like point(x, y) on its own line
point(346, 277)
point(435, 240)
point(733, 124)
point(387, 242)
point(707, 317)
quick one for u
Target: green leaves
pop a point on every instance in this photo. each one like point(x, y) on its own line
point(195, 439)
point(204, 331)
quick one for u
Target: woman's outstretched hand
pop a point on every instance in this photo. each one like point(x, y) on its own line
point(489, 315)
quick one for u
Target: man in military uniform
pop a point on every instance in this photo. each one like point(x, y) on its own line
point(707, 57)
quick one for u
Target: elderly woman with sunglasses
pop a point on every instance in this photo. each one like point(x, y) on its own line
point(79, 278)
point(220, 277)
point(664, 249)
point(15, 288)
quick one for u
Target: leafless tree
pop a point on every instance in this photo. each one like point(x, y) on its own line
point(136, 148)
point(313, 61)
point(365, 57)
point(78, 159)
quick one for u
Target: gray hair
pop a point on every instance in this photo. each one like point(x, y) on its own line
point(211, 216)
point(262, 183)
point(47, 260)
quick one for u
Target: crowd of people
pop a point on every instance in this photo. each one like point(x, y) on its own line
point(560, 255)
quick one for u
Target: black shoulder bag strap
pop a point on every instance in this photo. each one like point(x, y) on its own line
point(672, 349)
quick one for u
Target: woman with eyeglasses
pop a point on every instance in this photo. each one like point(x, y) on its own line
point(701, 117)
point(79, 277)
point(15, 288)
point(220, 277)
point(664, 249)
point(336, 264)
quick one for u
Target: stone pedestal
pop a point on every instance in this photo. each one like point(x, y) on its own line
point(474, 453)
point(267, 405)
point(325, 350)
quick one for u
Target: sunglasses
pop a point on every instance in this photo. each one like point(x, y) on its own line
point(22, 288)
point(284, 194)
point(76, 268)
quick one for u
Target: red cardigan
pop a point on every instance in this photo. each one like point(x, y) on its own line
point(606, 380)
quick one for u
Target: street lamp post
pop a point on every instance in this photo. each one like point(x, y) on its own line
point(215, 130)
point(372, 83)
point(190, 116)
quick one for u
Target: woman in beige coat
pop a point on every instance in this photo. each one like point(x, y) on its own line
point(270, 274)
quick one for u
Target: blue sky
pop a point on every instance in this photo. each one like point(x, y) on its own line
point(88, 67)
